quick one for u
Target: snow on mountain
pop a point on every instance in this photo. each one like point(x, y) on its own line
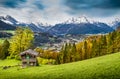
point(81, 19)
point(5, 26)
point(8, 19)
point(80, 25)
point(114, 24)
point(11, 19)
point(8, 22)
point(37, 27)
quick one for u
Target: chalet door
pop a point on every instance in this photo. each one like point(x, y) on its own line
point(28, 59)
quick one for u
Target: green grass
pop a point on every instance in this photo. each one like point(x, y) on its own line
point(1, 40)
point(9, 62)
point(104, 67)
point(9, 31)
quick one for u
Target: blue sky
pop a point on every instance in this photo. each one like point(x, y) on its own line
point(55, 11)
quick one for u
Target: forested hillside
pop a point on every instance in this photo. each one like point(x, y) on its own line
point(92, 46)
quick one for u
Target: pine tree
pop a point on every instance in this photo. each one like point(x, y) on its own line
point(65, 52)
point(73, 53)
point(61, 55)
point(58, 60)
point(4, 49)
point(103, 42)
point(112, 37)
point(2, 55)
point(85, 50)
point(94, 48)
point(79, 49)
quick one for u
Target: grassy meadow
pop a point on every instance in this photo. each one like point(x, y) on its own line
point(2, 40)
point(9, 62)
point(104, 67)
point(9, 31)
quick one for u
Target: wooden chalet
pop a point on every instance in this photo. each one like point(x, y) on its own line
point(29, 58)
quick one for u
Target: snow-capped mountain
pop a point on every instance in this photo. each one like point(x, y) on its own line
point(81, 19)
point(5, 26)
point(115, 23)
point(81, 25)
point(36, 27)
point(8, 19)
point(82, 28)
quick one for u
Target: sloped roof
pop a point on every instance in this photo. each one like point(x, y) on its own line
point(29, 51)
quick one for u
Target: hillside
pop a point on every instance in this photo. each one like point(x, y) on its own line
point(104, 67)
point(5, 26)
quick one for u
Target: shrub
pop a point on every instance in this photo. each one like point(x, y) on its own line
point(45, 61)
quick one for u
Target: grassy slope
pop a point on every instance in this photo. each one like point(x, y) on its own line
point(8, 31)
point(1, 40)
point(9, 62)
point(105, 67)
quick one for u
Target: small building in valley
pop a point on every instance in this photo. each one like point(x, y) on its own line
point(29, 57)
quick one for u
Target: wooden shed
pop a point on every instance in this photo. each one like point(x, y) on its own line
point(29, 58)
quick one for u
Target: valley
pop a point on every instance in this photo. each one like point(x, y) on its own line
point(59, 39)
point(47, 36)
point(86, 48)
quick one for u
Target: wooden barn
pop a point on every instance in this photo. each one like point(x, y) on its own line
point(29, 58)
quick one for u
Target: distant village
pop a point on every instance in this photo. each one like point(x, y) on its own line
point(55, 43)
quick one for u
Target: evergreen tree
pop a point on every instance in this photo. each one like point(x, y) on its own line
point(58, 59)
point(61, 55)
point(94, 44)
point(91, 47)
point(4, 49)
point(2, 55)
point(73, 53)
point(65, 52)
point(85, 50)
point(112, 36)
point(103, 42)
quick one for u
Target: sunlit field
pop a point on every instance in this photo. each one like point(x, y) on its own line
point(104, 67)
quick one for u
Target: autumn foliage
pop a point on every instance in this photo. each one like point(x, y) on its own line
point(92, 46)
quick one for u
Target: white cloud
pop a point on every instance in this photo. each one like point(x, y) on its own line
point(54, 12)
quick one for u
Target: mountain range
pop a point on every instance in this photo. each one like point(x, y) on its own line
point(80, 25)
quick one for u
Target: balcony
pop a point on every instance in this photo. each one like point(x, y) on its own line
point(30, 60)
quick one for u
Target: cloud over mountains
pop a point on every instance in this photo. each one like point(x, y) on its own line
point(54, 11)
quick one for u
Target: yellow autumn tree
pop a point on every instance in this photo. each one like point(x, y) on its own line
point(22, 40)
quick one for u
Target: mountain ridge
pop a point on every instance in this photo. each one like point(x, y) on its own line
point(80, 25)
